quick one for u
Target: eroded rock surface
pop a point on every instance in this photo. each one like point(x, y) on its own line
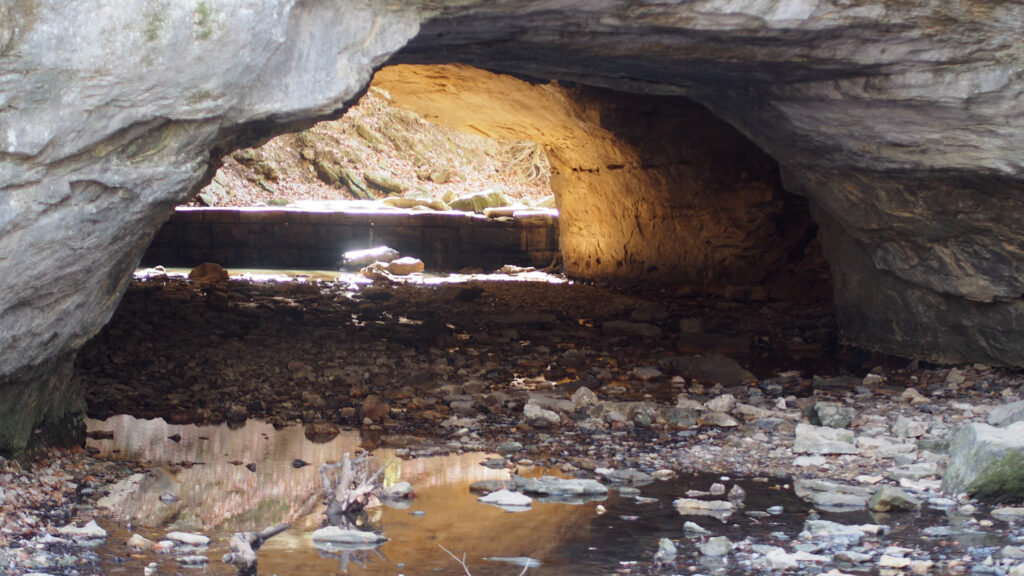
point(900, 120)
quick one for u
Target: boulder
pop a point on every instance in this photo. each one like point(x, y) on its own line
point(987, 462)
point(1007, 414)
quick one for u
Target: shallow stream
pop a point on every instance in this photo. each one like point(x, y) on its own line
point(217, 480)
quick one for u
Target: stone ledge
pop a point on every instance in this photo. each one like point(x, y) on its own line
point(290, 237)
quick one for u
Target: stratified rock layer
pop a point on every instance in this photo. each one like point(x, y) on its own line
point(901, 121)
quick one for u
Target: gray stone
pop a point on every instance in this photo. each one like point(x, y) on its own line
point(723, 403)
point(694, 529)
point(987, 461)
point(666, 551)
point(720, 419)
point(583, 398)
point(908, 427)
point(716, 546)
point(479, 201)
point(812, 439)
point(888, 498)
point(336, 535)
point(832, 414)
point(831, 495)
point(1006, 414)
point(535, 415)
point(833, 532)
point(554, 486)
point(188, 538)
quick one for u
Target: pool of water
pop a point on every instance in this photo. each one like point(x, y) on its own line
point(219, 480)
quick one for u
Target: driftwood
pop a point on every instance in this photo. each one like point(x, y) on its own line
point(354, 490)
point(244, 546)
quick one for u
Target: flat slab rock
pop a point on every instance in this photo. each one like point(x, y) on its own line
point(336, 535)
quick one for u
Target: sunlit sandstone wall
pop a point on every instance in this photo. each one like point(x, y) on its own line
point(648, 187)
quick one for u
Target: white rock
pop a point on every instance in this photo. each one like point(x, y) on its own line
point(188, 538)
point(533, 412)
point(887, 561)
point(335, 535)
point(908, 427)
point(91, 531)
point(723, 403)
point(812, 439)
point(505, 497)
point(140, 542)
point(809, 461)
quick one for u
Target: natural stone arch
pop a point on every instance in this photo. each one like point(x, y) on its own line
point(902, 121)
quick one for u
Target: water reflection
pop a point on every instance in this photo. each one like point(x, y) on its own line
point(205, 468)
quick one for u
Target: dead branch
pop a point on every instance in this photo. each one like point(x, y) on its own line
point(244, 546)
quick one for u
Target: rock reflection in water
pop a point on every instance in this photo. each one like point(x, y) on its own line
point(218, 497)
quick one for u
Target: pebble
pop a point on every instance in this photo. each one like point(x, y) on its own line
point(506, 498)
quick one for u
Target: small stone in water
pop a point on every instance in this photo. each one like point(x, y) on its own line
point(299, 463)
point(168, 498)
point(717, 546)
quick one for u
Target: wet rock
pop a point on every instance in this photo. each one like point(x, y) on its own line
point(888, 498)
point(509, 447)
point(737, 494)
point(299, 463)
point(828, 494)
point(506, 498)
point(321, 431)
point(397, 491)
point(831, 415)
point(1008, 513)
point(714, 368)
point(833, 533)
point(812, 439)
point(1006, 414)
point(693, 529)
point(987, 461)
point(192, 560)
point(90, 531)
point(139, 542)
point(853, 557)
point(626, 328)
point(626, 476)
point(554, 486)
point(168, 498)
point(188, 538)
point(336, 535)
point(716, 546)
point(697, 507)
point(666, 551)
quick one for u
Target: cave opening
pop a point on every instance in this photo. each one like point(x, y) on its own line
point(673, 234)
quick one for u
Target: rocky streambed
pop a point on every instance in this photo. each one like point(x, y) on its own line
point(733, 435)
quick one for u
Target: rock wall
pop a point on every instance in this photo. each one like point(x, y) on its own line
point(902, 120)
point(649, 188)
point(111, 113)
